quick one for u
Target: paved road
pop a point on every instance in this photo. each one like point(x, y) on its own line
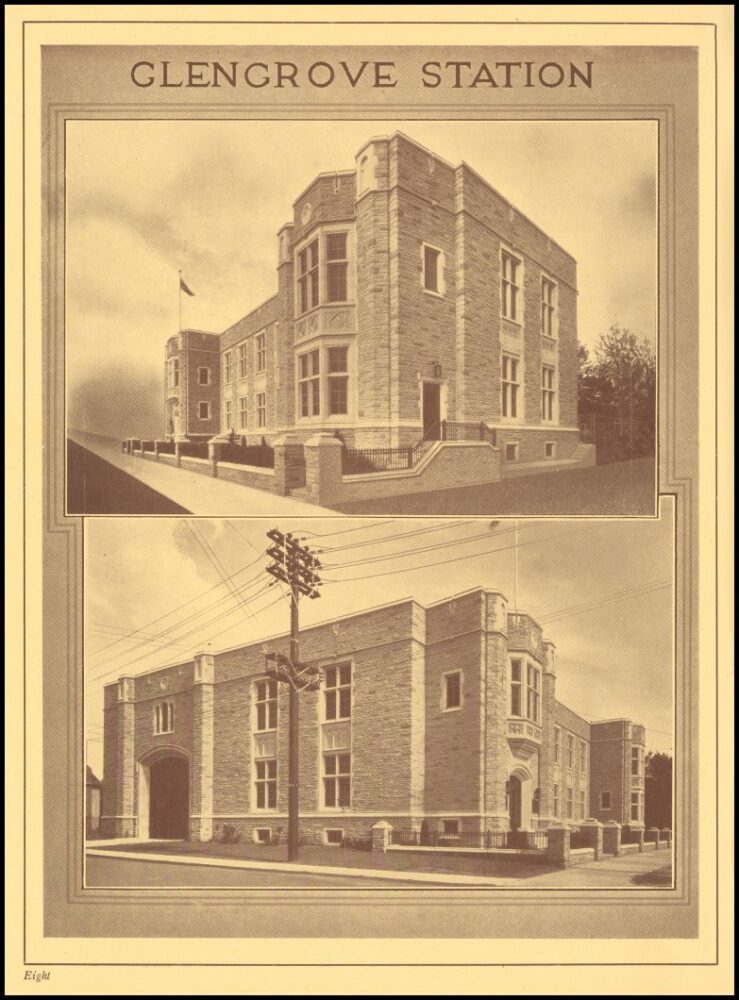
point(133, 874)
point(201, 495)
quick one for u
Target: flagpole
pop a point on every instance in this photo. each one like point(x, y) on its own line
point(179, 299)
point(515, 566)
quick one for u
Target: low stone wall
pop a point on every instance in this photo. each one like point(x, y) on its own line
point(248, 475)
point(447, 464)
point(201, 465)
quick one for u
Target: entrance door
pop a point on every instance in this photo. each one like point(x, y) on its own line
point(514, 802)
point(431, 411)
point(169, 799)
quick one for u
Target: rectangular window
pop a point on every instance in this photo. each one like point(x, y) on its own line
point(548, 291)
point(549, 449)
point(164, 717)
point(547, 392)
point(228, 413)
point(453, 690)
point(582, 804)
point(204, 411)
point(261, 409)
point(510, 271)
point(309, 384)
point(511, 452)
point(242, 361)
point(336, 779)
point(203, 376)
point(555, 804)
point(532, 693)
point(635, 762)
point(336, 267)
point(174, 373)
point(266, 705)
point(570, 750)
point(605, 800)
point(266, 783)
point(569, 803)
point(261, 348)
point(635, 810)
point(242, 413)
point(509, 386)
point(338, 380)
point(308, 277)
point(583, 756)
point(515, 687)
point(431, 269)
point(450, 827)
point(228, 368)
point(337, 692)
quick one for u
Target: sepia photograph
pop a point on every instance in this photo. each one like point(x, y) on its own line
point(376, 317)
point(367, 384)
point(454, 703)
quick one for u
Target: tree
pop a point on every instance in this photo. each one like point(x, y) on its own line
point(617, 394)
point(658, 790)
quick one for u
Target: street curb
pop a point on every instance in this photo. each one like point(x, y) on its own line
point(277, 866)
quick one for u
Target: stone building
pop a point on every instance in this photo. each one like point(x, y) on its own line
point(410, 293)
point(444, 715)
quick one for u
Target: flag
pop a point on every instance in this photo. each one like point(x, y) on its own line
point(184, 288)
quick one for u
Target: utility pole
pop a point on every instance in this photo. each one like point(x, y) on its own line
point(295, 565)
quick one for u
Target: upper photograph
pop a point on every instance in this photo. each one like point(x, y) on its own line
point(407, 317)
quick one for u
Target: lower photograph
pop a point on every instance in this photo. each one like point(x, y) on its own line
point(379, 703)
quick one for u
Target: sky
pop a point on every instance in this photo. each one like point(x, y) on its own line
point(146, 199)
point(601, 589)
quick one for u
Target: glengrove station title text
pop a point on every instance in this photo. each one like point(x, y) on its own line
point(365, 74)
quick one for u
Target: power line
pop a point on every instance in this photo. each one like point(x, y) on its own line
point(197, 614)
point(179, 607)
point(412, 552)
point(169, 662)
point(120, 668)
point(444, 562)
point(392, 538)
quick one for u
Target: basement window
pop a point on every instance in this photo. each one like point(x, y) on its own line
point(450, 827)
point(511, 451)
point(333, 838)
point(549, 449)
point(263, 835)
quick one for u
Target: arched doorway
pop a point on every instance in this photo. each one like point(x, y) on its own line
point(168, 781)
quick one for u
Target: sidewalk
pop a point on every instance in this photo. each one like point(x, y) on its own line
point(202, 495)
point(625, 872)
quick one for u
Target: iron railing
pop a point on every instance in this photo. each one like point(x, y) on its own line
point(261, 455)
point(520, 840)
point(147, 445)
point(355, 461)
point(454, 430)
point(166, 447)
point(631, 836)
point(579, 838)
point(194, 449)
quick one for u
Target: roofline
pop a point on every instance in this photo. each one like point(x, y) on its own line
point(478, 175)
point(324, 173)
point(319, 624)
point(247, 315)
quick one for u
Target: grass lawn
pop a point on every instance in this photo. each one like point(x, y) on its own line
point(345, 857)
point(618, 489)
